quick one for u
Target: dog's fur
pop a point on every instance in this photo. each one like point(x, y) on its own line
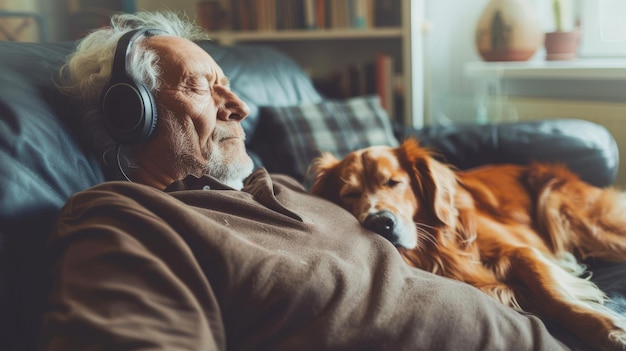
point(515, 232)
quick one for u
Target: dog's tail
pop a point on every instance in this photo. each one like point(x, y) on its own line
point(574, 216)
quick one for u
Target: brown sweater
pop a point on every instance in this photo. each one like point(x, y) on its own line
point(267, 268)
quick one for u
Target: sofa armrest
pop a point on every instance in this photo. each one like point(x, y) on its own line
point(586, 148)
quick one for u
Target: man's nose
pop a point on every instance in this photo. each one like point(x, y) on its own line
point(234, 108)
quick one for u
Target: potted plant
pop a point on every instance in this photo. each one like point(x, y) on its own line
point(562, 43)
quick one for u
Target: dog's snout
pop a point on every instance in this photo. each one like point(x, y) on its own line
point(383, 223)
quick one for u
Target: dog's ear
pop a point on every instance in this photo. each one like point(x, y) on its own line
point(323, 171)
point(433, 182)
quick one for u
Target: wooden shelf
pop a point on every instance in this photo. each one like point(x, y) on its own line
point(583, 68)
point(230, 37)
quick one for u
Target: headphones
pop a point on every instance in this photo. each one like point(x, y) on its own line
point(128, 107)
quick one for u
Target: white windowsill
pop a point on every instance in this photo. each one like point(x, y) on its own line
point(581, 68)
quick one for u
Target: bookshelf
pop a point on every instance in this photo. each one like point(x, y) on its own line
point(332, 50)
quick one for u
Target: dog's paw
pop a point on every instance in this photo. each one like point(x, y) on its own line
point(608, 332)
point(617, 339)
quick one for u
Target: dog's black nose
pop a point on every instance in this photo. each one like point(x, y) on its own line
point(383, 223)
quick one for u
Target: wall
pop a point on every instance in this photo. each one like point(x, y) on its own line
point(449, 44)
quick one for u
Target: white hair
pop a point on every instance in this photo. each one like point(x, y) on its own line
point(88, 71)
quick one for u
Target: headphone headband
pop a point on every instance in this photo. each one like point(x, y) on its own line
point(121, 58)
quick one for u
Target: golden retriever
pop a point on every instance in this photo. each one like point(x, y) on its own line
point(515, 232)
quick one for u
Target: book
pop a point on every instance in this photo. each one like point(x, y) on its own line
point(388, 13)
point(385, 82)
point(310, 19)
point(320, 14)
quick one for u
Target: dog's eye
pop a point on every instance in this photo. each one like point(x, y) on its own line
point(391, 183)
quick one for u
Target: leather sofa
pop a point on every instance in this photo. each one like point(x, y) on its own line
point(44, 157)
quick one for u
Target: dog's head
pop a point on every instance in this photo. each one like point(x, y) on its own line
point(391, 191)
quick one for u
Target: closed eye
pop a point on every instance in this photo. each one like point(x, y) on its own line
point(391, 183)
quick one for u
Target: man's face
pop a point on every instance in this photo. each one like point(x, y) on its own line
point(203, 132)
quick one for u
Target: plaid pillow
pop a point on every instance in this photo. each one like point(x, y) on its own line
point(288, 138)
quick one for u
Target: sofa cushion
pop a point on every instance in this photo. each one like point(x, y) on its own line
point(288, 138)
point(42, 164)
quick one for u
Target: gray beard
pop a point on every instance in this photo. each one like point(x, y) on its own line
point(232, 173)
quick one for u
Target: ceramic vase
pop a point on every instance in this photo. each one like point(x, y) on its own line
point(509, 30)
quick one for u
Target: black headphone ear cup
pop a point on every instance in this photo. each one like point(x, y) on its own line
point(128, 107)
point(130, 113)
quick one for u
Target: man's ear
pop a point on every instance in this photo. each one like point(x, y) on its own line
point(323, 171)
point(434, 183)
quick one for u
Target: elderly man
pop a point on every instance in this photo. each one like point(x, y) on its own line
point(197, 251)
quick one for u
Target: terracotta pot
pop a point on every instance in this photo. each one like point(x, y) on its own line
point(509, 30)
point(562, 45)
